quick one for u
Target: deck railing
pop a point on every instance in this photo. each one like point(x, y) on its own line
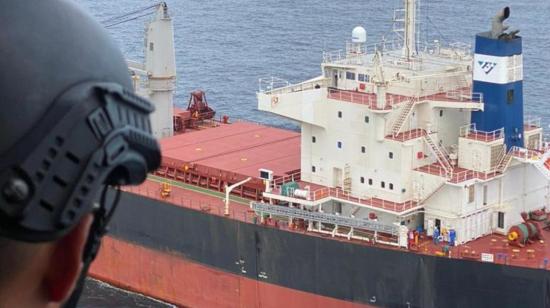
point(532, 122)
point(366, 99)
point(470, 131)
point(370, 99)
point(238, 212)
point(338, 193)
point(408, 135)
point(524, 153)
point(274, 85)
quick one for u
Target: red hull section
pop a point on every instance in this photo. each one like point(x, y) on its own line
point(174, 279)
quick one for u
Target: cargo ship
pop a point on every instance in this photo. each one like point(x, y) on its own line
point(415, 181)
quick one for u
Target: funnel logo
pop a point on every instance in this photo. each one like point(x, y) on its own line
point(487, 66)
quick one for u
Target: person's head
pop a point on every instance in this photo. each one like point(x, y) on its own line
point(69, 127)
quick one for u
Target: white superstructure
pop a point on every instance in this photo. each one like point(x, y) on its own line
point(387, 136)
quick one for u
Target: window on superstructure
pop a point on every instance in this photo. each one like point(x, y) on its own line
point(366, 119)
point(312, 168)
point(350, 76)
point(471, 193)
point(390, 155)
point(313, 139)
point(510, 96)
point(362, 179)
point(370, 181)
point(383, 184)
point(363, 77)
point(391, 186)
point(500, 220)
point(363, 149)
point(338, 207)
point(339, 144)
point(441, 113)
point(340, 114)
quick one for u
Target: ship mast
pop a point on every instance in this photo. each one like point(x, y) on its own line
point(409, 43)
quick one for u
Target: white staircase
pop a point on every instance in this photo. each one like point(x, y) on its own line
point(504, 162)
point(440, 153)
point(403, 115)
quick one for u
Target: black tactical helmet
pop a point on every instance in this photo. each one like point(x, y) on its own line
point(69, 124)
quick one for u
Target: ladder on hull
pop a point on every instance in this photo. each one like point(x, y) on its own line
point(347, 178)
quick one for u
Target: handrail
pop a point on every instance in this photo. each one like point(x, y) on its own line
point(366, 99)
point(524, 153)
point(471, 132)
point(532, 122)
point(274, 85)
point(370, 100)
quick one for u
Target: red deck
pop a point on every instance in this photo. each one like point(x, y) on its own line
point(240, 147)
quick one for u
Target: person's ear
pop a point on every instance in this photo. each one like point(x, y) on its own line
point(65, 263)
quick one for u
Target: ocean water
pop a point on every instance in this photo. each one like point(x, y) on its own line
point(224, 47)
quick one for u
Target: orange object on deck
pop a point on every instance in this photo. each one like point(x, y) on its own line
point(165, 190)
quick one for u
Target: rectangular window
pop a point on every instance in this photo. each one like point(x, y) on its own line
point(366, 119)
point(440, 113)
point(363, 77)
point(363, 149)
point(312, 168)
point(391, 186)
point(339, 144)
point(362, 180)
point(264, 175)
point(338, 207)
point(471, 193)
point(383, 184)
point(485, 194)
point(500, 220)
point(370, 181)
point(340, 114)
point(510, 96)
point(390, 155)
point(313, 139)
point(350, 76)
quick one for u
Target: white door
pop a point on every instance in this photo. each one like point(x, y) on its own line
point(486, 223)
point(468, 228)
point(479, 224)
point(430, 228)
point(337, 177)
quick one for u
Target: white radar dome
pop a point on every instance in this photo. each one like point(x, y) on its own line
point(359, 35)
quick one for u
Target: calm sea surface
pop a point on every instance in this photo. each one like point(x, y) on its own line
point(224, 47)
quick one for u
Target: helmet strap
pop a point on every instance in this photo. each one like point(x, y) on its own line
point(102, 216)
